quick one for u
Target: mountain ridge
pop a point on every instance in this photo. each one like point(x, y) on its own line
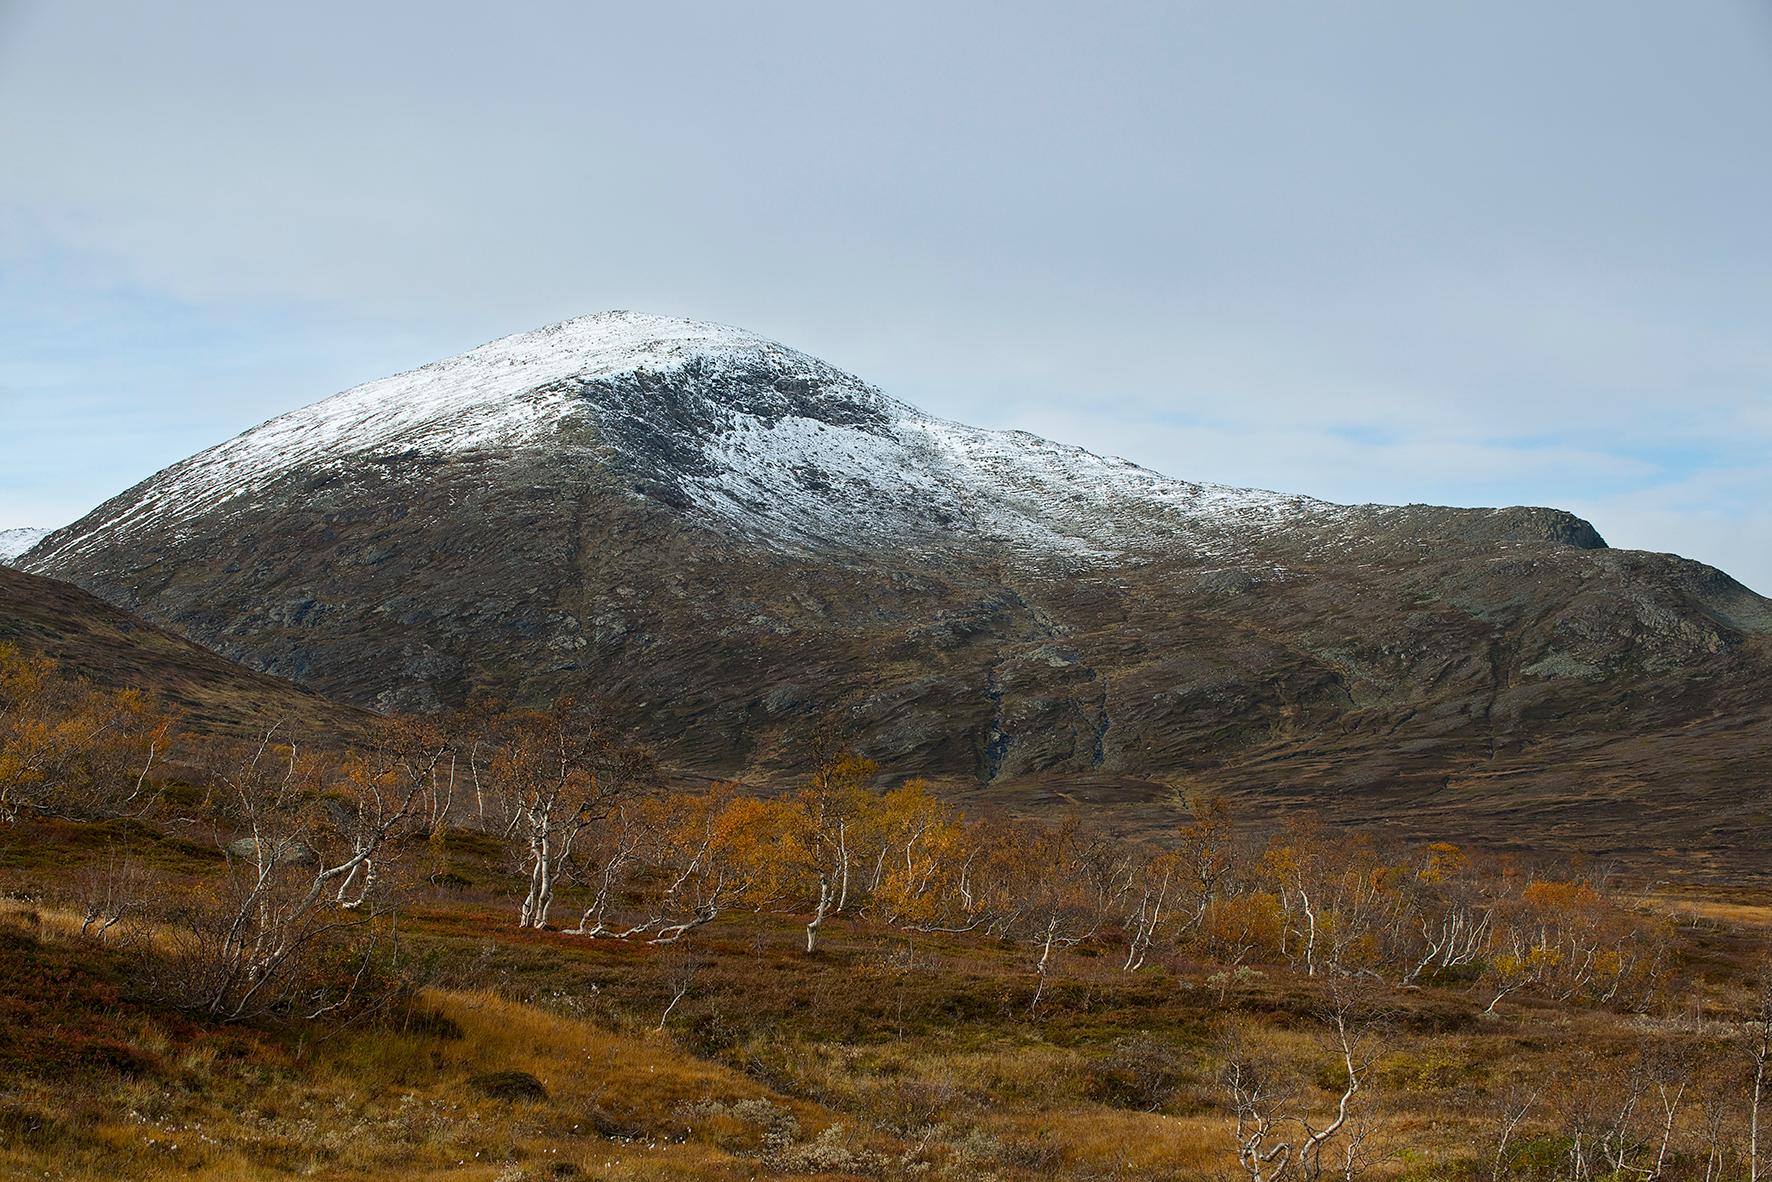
point(799, 437)
point(728, 543)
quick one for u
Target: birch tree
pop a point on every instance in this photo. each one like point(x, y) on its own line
point(1759, 1057)
point(821, 828)
point(72, 749)
point(1278, 1134)
point(557, 774)
point(299, 878)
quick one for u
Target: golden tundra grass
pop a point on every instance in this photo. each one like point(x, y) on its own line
point(383, 1104)
point(1695, 908)
point(818, 1076)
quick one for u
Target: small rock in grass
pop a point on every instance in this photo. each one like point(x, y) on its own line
point(508, 1085)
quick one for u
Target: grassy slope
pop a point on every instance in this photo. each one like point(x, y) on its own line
point(99, 1084)
point(882, 1056)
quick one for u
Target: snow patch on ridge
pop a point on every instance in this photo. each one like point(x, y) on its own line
point(803, 481)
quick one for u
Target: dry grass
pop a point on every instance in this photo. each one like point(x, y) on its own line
point(775, 1064)
point(393, 1104)
point(1690, 908)
point(385, 1102)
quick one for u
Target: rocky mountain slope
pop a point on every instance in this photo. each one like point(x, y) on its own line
point(727, 539)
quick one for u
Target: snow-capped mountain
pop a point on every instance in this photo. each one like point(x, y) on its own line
point(726, 539)
point(16, 541)
point(762, 437)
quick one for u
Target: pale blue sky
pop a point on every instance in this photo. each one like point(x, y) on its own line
point(1470, 253)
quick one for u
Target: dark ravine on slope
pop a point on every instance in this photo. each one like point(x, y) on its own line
point(726, 540)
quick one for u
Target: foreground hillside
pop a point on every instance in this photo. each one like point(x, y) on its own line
point(47, 618)
point(726, 539)
point(497, 947)
point(542, 1057)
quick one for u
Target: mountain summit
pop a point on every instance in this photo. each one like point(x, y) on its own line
point(727, 539)
point(755, 435)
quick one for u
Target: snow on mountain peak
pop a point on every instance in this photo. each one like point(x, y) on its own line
point(14, 542)
point(503, 394)
point(779, 444)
